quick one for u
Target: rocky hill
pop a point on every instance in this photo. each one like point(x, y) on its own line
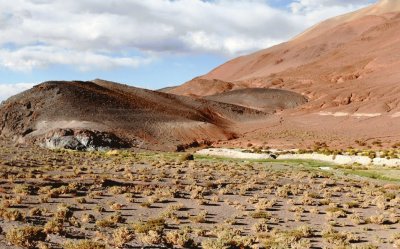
point(100, 114)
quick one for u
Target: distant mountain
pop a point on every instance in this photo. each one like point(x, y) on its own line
point(350, 63)
point(166, 89)
point(348, 69)
point(266, 100)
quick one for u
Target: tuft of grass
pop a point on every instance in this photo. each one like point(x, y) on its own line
point(121, 236)
point(180, 238)
point(27, 236)
point(54, 226)
point(186, 157)
point(373, 175)
point(261, 215)
point(85, 244)
point(157, 225)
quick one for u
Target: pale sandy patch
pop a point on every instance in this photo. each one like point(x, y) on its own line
point(396, 115)
point(346, 114)
point(232, 153)
point(43, 127)
point(368, 115)
point(338, 159)
point(334, 114)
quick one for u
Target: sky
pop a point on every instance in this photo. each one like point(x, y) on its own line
point(144, 43)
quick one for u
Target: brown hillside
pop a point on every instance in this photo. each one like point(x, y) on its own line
point(132, 114)
point(266, 100)
point(348, 68)
point(350, 62)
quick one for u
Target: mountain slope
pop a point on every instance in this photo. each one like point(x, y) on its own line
point(266, 100)
point(348, 63)
point(53, 109)
point(347, 67)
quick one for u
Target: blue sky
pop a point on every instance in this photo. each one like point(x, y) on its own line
point(151, 44)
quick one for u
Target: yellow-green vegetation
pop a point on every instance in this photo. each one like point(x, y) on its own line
point(391, 174)
point(84, 244)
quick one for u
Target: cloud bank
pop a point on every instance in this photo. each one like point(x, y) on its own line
point(7, 90)
point(92, 34)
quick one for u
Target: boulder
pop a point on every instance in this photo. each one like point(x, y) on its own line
point(82, 140)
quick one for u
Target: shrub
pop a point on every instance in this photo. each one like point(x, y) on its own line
point(228, 238)
point(117, 218)
point(150, 232)
point(105, 223)
point(180, 238)
point(36, 211)
point(13, 215)
point(396, 240)
point(213, 244)
point(261, 215)
point(81, 200)
point(186, 157)
point(157, 225)
point(200, 218)
point(296, 238)
point(27, 237)
point(54, 227)
point(261, 226)
point(64, 212)
point(24, 189)
point(377, 219)
point(88, 218)
point(121, 236)
point(339, 238)
point(85, 244)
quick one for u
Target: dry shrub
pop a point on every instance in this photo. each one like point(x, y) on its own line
point(88, 218)
point(27, 237)
point(84, 244)
point(228, 238)
point(180, 238)
point(13, 215)
point(157, 225)
point(186, 157)
point(297, 238)
point(151, 237)
point(54, 226)
point(121, 236)
point(341, 238)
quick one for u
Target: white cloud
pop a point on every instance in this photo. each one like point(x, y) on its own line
point(92, 34)
point(30, 57)
point(317, 10)
point(8, 90)
point(312, 5)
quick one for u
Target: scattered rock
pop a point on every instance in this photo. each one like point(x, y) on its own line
point(82, 140)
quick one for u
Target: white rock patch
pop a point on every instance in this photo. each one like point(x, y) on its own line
point(232, 153)
point(338, 159)
point(396, 115)
point(346, 114)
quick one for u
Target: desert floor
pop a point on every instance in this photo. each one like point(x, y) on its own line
point(123, 199)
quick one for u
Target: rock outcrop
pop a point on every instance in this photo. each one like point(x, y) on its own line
point(82, 140)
